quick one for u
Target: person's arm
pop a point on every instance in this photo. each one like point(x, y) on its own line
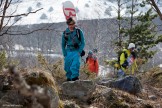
point(63, 44)
point(82, 42)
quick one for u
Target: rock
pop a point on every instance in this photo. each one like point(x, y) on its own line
point(130, 84)
point(139, 99)
point(13, 97)
point(152, 97)
point(70, 104)
point(79, 89)
point(4, 104)
point(48, 84)
point(54, 97)
point(158, 106)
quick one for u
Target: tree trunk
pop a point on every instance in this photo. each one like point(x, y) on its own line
point(156, 8)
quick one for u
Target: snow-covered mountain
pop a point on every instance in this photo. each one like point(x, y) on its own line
point(52, 10)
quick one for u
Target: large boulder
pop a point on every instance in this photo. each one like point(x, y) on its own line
point(79, 89)
point(34, 90)
point(130, 84)
point(46, 81)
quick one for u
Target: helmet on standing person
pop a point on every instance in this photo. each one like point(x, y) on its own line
point(131, 45)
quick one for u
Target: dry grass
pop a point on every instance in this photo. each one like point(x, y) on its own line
point(41, 78)
point(85, 74)
point(153, 77)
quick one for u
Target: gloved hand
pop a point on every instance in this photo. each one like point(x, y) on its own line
point(125, 64)
point(133, 54)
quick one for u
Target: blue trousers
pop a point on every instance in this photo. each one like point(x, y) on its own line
point(120, 73)
point(72, 64)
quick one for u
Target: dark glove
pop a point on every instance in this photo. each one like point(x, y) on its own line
point(82, 53)
point(125, 64)
point(133, 54)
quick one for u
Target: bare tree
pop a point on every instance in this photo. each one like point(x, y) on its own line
point(5, 18)
point(154, 5)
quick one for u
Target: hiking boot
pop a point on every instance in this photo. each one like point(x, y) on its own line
point(74, 79)
point(68, 79)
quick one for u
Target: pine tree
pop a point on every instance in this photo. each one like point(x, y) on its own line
point(143, 34)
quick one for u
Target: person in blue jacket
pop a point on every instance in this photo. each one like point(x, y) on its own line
point(72, 47)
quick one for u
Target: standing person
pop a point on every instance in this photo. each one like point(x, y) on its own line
point(127, 60)
point(72, 46)
point(92, 62)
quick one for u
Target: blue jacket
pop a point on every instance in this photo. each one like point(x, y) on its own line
point(68, 45)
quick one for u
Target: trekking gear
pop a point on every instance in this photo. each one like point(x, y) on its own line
point(90, 53)
point(76, 45)
point(131, 45)
point(126, 60)
point(74, 79)
point(117, 64)
point(94, 58)
point(82, 53)
point(68, 79)
point(70, 21)
point(95, 50)
point(72, 64)
point(69, 10)
point(125, 55)
point(125, 64)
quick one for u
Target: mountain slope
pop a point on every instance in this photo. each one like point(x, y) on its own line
point(52, 10)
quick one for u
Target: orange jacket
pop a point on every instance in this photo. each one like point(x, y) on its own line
point(92, 64)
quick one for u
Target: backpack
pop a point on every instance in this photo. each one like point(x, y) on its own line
point(125, 55)
point(118, 60)
point(79, 38)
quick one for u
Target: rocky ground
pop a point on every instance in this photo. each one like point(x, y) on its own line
point(41, 88)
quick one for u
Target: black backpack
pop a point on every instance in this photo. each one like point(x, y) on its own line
point(79, 38)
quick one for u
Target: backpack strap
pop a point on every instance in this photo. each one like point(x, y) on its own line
point(125, 54)
point(65, 37)
point(78, 34)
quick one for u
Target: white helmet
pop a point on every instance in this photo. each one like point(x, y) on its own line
point(131, 45)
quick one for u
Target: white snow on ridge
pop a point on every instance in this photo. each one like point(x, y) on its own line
point(87, 9)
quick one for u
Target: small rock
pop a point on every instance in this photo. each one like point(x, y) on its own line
point(139, 100)
point(70, 104)
point(158, 106)
point(152, 97)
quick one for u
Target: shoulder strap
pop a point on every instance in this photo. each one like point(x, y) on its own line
point(125, 54)
point(66, 38)
point(78, 34)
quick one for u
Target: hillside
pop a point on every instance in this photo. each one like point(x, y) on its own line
point(101, 34)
